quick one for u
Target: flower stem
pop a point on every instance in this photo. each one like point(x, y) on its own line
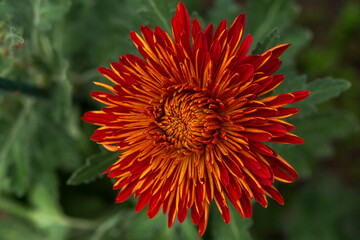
point(34, 91)
point(25, 88)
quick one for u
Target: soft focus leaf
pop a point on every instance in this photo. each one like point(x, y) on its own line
point(62, 95)
point(157, 228)
point(292, 84)
point(157, 12)
point(318, 131)
point(269, 41)
point(46, 12)
point(326, 88)
point(238, 228)
point(228, 9)
point(11, 40)
point(14, 229)
point(56, 45)
point(263, 16)
point(111, 222)
point(298, 37)
point(47, 210)
point(15, 136)
point(95, 165)
point(314, 210)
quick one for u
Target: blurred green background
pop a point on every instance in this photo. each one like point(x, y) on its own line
point(50, 172)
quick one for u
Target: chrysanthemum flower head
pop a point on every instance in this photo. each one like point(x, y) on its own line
point(192, 119)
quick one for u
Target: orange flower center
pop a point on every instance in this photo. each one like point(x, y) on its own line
point(191, 121)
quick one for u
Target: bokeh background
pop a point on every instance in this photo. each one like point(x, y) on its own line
point(50, 172)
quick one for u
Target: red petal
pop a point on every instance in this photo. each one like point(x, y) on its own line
point(300, 95)
point(154, 205)
point(209, 34)
point(246, 206)
point(256, 134)
point(261, 198)
point(278, 50)
point(281, 175)
point(221, 27)
point(171, 214)
point(235, 32)
point(274, 194)
point(182, 212)
point(287, 112)
point(181, 23)
point(203, 221)
point(260, 148)
point(288, 138)
point(126, 192)
point(244, 47)
point(142, 201)
point(224, 175)
point(136, 39)
point(196, 28)
point(194, 216)
point(278, 100)
point(276, 81)
point(278, 161)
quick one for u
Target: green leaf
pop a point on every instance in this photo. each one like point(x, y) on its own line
point(265, 15)
point(318, 132)
point(238, 228)
point(15, 137)
point(292, 84)
point(94, 167)
point(158, 12)
point(323, 89)
point(14, 229)
point(270, 41)
point(223, 9)
point(110, 223)
point(298, 37)
point(46, 12)
point(325, 208)
point(11, 39)
point(62, 95)
point(47, 213)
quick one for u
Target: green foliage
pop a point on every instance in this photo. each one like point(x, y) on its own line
point(94, 167)
point(326, 88)
point(318, 202)
point(264, 16)
point(317, 127)
point(269, 41)
point(223, 9)
point(157, 13)
point(238, 228)
point(50, 49)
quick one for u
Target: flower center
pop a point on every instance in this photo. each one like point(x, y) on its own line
point(191, 121)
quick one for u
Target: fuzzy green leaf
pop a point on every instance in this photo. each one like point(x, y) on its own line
point(327, 210)
point(224, 9)
point(323, 89)
point(298, 37)
point(238, 228)
point(264, 15)
point(14, 229)
point(270, 41)
point(94, 167)
point(157, 12)
point(13, 139)
point(47, 215)
point(318, 132)
point(49, 11)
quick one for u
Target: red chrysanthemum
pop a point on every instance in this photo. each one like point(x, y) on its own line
point(192, 118)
